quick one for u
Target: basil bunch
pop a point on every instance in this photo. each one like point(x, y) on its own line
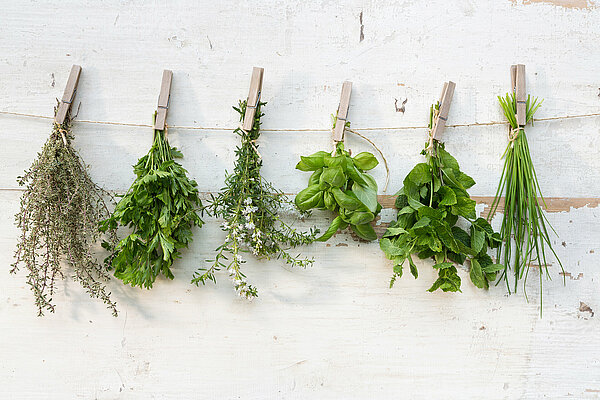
point(339, 184)
point(433, 198)
point(161, 208)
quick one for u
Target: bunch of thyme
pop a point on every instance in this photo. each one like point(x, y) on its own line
point(525, 228)
point(59, 215)
point(250, 205)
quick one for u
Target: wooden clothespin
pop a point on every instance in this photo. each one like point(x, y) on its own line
point(68, 95)
point(163, 100)
point(442, 117)
point(253, 97)
point(342, 112)
point(517, 76)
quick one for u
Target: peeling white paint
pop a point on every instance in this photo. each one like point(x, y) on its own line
point(334, 330)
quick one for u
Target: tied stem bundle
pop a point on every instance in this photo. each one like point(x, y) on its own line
point(525, 228)
point(59, 215)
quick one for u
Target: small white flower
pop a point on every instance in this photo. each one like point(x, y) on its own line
point(249, 226)
point(248, 201)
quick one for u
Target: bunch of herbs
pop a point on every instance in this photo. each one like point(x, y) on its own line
point(250, 207)
point(340, 184)
point(161, 208)
point(430, 203)
point(525, 230)
point(59, 215)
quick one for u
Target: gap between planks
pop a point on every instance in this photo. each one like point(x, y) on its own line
point(553, 204)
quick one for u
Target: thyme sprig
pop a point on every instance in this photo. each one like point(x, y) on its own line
point(58, 218)
point(250, 207)
point(525, 230)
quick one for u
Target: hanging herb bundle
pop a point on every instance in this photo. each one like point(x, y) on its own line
point(339, 184)
point(525, 228)
point(162, 208)
point(429, 205)
point(58, 218)
point(250, 205)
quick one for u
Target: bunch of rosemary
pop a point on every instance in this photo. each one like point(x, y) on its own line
point(525, 228)
point(430, 203)
point(58, 218)
point(161, 206)
point(250, 205)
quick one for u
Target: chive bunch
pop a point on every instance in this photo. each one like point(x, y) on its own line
point(525, 228)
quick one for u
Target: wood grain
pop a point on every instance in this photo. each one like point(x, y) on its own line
point(164, 98)
point(69, 94)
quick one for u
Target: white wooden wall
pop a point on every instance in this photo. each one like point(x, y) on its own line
point(334, 331)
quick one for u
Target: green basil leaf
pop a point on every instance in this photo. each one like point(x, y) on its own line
point(312, 162)
point(333, 161)
point(365, 161)
point(361, 217)
point(334, 176)
point(333, 228)
point(329, 201)
point(315, 177)
point(356, 175)
point(308, 198)
point(366, 195)
point(364, 231)
point(346, 201)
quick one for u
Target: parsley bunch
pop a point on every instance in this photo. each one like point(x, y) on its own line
point(161, 207)
point(250, 207)
point(60, 210)
point(339, 184)
point(429, 205)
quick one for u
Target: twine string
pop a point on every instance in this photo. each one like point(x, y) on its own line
point(385, 163)
point(389, 128)
point(252, 142)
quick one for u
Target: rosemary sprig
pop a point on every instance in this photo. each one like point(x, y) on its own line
point(525, 228)
point(250, 206)
point(59, 215)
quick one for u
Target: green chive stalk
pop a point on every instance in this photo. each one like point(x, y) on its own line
point(525, 228)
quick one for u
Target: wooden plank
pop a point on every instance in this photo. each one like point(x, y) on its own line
point(521, 95)
point(553, 204)
point(163, 100)
point(253, 97)
point(342, 113)
point(445, 101)
point(68, 95)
